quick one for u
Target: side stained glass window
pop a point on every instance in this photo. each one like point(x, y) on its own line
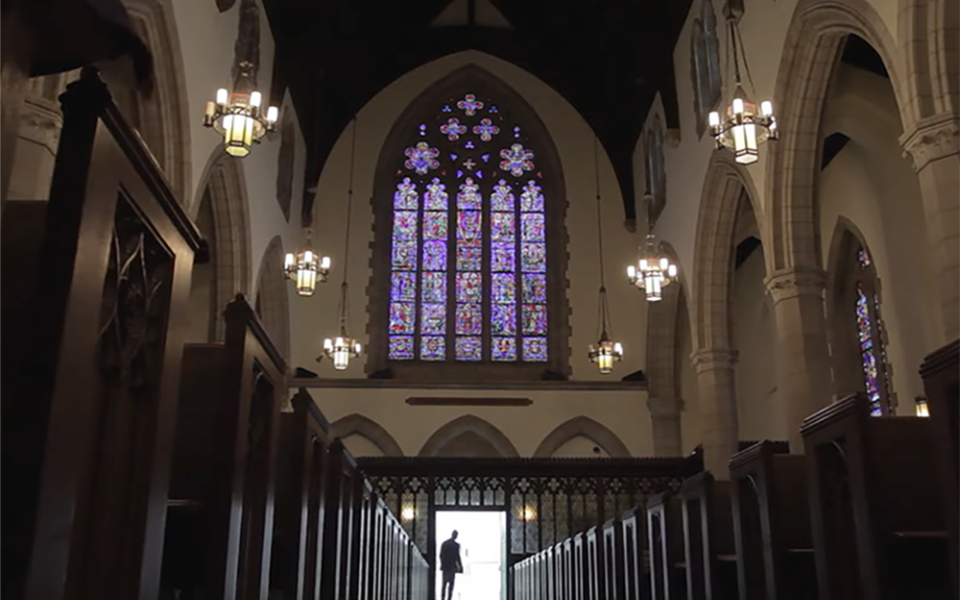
point(872, 351)
point(468, 265)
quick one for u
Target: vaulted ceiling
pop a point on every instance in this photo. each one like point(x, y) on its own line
point(608, 58)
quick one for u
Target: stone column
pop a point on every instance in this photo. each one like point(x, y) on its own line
point(716, 383)
point(932, 146)
point(665, 419)
point(804, 382)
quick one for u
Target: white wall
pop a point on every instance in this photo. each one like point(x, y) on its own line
point(358, 445)
point(690, 423)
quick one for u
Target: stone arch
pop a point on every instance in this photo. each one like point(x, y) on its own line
point(586, 427)
point(466, 427)
point(928, 39)
point(357, 424)
point(271, 298)
point(813, 45)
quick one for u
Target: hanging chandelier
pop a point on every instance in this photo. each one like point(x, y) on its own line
point(341, 348)
point(653, 272)
point(240, 120)
point(743, 127)
point(306, 268)
point(605, 352)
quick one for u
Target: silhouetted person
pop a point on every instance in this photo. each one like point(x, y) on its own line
point(450, 565)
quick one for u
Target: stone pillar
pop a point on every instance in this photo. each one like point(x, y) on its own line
point(932, 146)
point(16, 51)
point(804, 381)
point(665, 419)
point(716, 383)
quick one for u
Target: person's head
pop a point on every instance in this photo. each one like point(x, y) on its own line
point(453, 535)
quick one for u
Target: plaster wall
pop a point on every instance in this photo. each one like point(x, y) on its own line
point(580, 447)
point(358, 445)
point(690, 421)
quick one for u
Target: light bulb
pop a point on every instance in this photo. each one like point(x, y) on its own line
point(328, 344)
point(307, 256)
point(631, 272)
point(288, 261)
point(714, 119)
point(273, 114)
point(222, 96)
point(737, 106)
point(325, 262)
point(664, 264)
point(618, 349)
point(766, 108)
point(643, 264)
point(672, 271)
point(255, 99)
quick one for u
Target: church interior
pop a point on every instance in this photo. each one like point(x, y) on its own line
point(648, 300)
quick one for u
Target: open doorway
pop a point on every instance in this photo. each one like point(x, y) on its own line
point(482, 539)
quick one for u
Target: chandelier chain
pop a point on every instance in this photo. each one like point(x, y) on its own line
point(344, 304)
point(596, 169)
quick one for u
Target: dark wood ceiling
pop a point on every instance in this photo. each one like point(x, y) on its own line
point(608, 58)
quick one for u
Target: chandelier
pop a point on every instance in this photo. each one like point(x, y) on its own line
point(605, 352)
point(653, 272)
point(306, 268)
point(743, 127)
point(240, 120)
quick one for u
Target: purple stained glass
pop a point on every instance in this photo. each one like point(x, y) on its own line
point(534, 319)
point(503, 319)
point(486, 130)
point(516, 160)
point(434, 256)
point(405, 225)
point(863, 258)
point(435, 198)
point(403, 286)
point(402, 317)
point(468, 225)
point(469, 196)
point(404, 256)
point(401, 347)
point(469, 164)
point(470, 105)
point(503, 288)
point(469, 348)
point(534, 288)
point(421, 158)
point(433, 348)
point(434, 288)
point(531, 199)
point(533, 257)
point(435, 225)
point(469, 287)
point(433, 318)
point(406, 195)
point(532, 227)
point(469, 145)
point(503, 257)
point(469, 256)
point(469, 319)
point(868, 357)
point(503, 349)
point(503, 227)
point(423, 130)
point(485, 157)
point(453, 129)
point(502, 198)
point(535, 349)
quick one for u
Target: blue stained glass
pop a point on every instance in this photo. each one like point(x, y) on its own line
point(446, 108)
point(401, 317)
point(433, 348)
point(869, 359)
point(534, 289)
point(485, 157)
point(502, 227)
point(470, 105)
point(503, 288)
point(433, 318)
point(405, 225)
point(469, 145)
point(503, 349)
point(423, 130)
point(469, 348)
point(404, 256)
point(454, 157)
point(401, 347)
point(468, 225)
point(533, 229)
point(486, 130)
point(503, 257)
point(469, 319)
point(534, 319)
point(535, 349)
point(533, 258)
point(434, 256)
point(421, 158)
point(863, 258)
point(516, 160)
point(502, 198)
point(469, 287)
point(479, 174)
point(406, 195)
point(435, 198)
point(434, 287)
point(459, 173)
point(434, 225)
point(469, 256)
point(531, 199)
point(403, 286)
point(469, 196)
point(453, 129)
point(503, 319)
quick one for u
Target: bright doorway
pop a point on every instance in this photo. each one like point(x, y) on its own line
point(482, 539)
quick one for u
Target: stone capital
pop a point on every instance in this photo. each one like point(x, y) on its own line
point(665, 406)
point(930, 139)
point(796, 282)
point(713, 359)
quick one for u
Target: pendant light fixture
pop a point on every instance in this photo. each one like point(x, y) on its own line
point(306, 268)
point(743, 128)
point(342, 347)
point(653, 271)
point(605, 352)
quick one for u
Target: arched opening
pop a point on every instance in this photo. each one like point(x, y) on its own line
point(365, 437)
point(469, 436)
point(582, 437)
point(271, 297)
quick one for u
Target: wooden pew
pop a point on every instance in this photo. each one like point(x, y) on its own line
point(941, 382)
point(595, 564)
point(771, 519)
point(668, 577)
point(636, 578)
point(708, 538)
point(220, 516)
point(876, 518)
point(95, 290)
point(580, 561)
point(613, 568)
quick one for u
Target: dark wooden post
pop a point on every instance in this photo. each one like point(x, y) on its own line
point(708, 538)
point(332, 530)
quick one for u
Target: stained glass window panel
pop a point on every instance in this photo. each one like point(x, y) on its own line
point(403, 286)
point(404, 256)
point(469, 287)
point(534, 288)
point(468, 224)
point(469, 319)
point(534, 319)
point(433, 319)
point(535, 349)
point(433, 348)
point(531, 199)
point(502, 198)
point(533, 230)
point(534, 258)
point(401, 347)
point(469, 256)
point(406, 195)
point(503, 319)
point(504, 349)
point(405, 225)
point(401, 317)
point(502, 257)
point(434, 256)
point(503, 288)
point(434, 287)
point(868, 352)
point(469, 196)
point(434, 225)
point(435, 198)
point(502, 227)
point(469, 348)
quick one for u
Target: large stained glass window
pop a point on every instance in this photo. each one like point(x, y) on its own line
point(468, 244)
point(869, 336)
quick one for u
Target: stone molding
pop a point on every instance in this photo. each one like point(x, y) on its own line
point(665, 407)
point(357, 424)
point(931, 139)
point(469, 423)
point(586, 427)
point(41, 122)
point(713, 359)
point(800, 281)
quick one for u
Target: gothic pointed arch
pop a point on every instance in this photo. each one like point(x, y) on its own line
point(586, 427)
point(271, 298)
point(469, 261)
point(357, 424)
point(471, 436)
